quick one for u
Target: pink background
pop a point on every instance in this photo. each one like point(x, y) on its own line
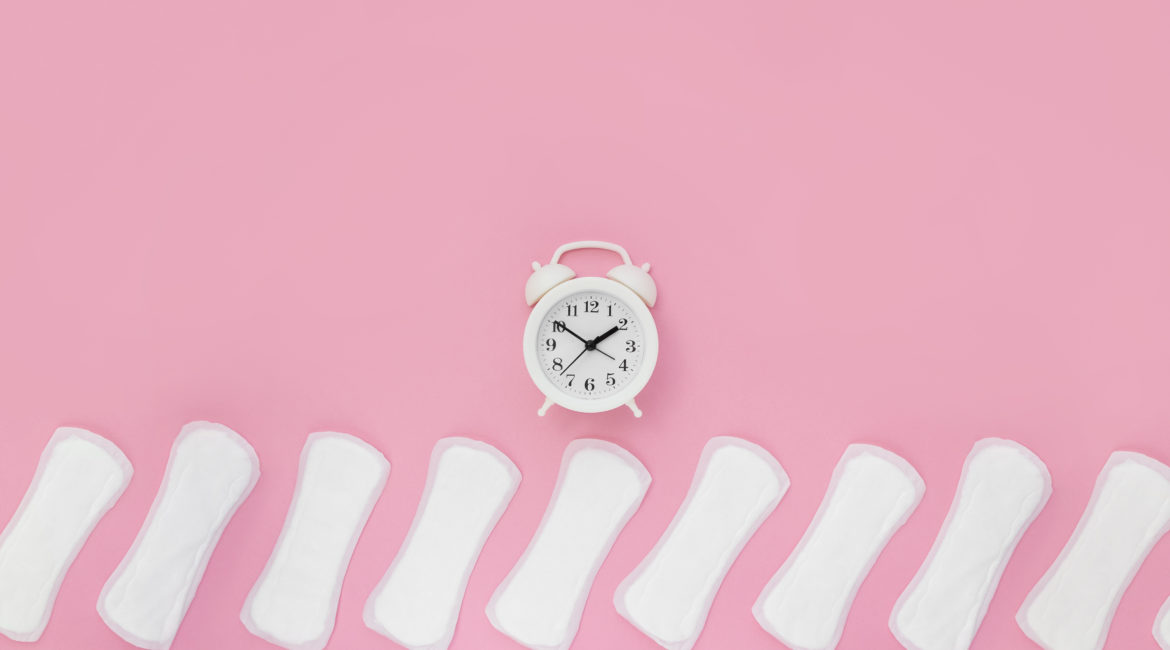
point(897, 222)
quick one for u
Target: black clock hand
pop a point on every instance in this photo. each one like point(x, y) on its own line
point(575, 359)
point(575, 335)
point(610, 332)
point(605, 353)
point(592, 345)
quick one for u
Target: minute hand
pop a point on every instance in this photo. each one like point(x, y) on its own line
point(575, 335)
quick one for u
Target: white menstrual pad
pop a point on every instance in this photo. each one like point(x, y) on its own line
point(294, 602)
point(1002, 489)
point(736, 486)
point(80, 476)
point(1162, 627)
point(599, 487)
point(210, 472)
point(469, 485)
point(871, 494)
point(1073, 604)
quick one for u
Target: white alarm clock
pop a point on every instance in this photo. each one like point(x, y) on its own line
point(590, 343)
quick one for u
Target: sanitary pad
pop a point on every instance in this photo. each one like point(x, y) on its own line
point(294, 602)
point(417, 603)
point(1073, 604)
point(736, 486)
point(539, 604)
point(210, 472)
point(871, 494)
point(1002, 489)
point(1162, 627)
point(79, 478)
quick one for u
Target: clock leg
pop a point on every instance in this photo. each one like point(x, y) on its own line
point(634, 407)
point(544, 409)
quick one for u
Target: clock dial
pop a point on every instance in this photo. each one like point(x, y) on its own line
point(590, 345)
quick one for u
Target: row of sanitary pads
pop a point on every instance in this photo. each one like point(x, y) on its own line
point(736, 486)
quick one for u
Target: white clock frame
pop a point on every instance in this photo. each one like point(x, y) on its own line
point(637, 304)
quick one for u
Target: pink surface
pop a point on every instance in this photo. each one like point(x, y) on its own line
point(901, 223)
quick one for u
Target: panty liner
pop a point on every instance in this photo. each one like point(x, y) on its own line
point(210, 472)
point(1002, 489)
point(294, 602)
point(599, 488)
point(871, 494)
point(1073, 604)
point(1162, 626)
point(78, 479)
point(417, 602)
point(736, 486)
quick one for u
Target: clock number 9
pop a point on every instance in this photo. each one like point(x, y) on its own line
point(550, 345)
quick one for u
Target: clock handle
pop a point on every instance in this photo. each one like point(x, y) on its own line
point(578, 245)
point(636, 278)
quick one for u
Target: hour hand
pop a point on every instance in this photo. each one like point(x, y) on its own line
point(608, 333)
point(592, 345)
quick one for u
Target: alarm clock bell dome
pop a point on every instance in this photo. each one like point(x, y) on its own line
point(637, 279)
point(544, 278)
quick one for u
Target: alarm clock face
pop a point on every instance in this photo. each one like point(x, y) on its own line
point(590, 345)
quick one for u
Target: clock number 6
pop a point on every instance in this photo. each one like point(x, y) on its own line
point(589, 384)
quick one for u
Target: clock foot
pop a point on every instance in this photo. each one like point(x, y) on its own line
point(634, 407)
point(544, 409)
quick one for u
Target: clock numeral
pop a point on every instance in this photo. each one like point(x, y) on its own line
point(571, 310)
point(610, 380)
point(558, 364)
point(610, 308)
point(623, 365)
point(589, 384)
point(550, 344)
point(631, 346)
point(591, 306)
point(623, 324)
point(571, 377)
point(558, 326)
